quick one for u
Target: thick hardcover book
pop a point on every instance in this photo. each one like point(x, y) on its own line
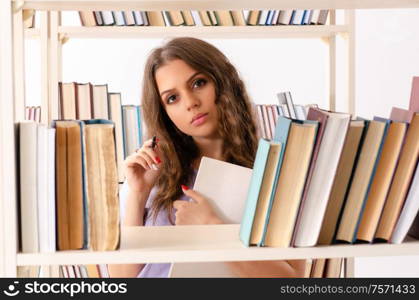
point(362, 178)
point(331, 137)
point(381, 182)
point(401, 182)
point(71, 222)
point(342, 181)
point(288, 191)
point(102, 185)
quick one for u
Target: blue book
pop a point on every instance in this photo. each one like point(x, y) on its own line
point(253, 193)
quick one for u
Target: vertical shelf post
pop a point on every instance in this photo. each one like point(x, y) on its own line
point(332, 63)
point(44, 39)
point(54, 65)
point(350, 45)
point(8, 204)
point(19, 64)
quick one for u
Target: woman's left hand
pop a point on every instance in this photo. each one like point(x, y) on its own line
point(196, 212)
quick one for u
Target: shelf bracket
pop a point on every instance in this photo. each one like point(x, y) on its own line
point(18, 5)
point(63, 38)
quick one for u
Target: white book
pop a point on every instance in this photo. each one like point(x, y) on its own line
point(115, 115)
point(263, 17)
point(77, 271)
point(42, 187)
point(103, 271)
point(246, 14)
point(119, 18)
point(314, 16)
point(284, 17)
point(310, 217)
point(261, 123)
point(285, 98)
point(138, 18)
point(98, 17)
point(196, 17)
point(275, 17)
point(285, 110)
point(228, 200)
point(28, 187)
point(300, 111)
point(271, 119)
point(100, 102)
point(70, 271)
point(107, 17)
point(409, 211)
point(297, 17)
point(83, 271)
point(51, 190)
point(145, 18)
point(130, 127)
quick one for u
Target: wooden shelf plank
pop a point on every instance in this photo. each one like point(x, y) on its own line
point(243, 32)
point(214, 4)
point(203, 243)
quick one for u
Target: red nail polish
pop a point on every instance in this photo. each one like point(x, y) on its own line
point(184, 187)
point(158, 160)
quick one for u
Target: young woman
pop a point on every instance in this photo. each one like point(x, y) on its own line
point(196, 105)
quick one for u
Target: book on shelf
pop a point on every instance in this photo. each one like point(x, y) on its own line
point(155, 18)
point(363, 174)
point(71, 203)
point(401, 182)
point(101, 185)
point(254, 191)
point(115, 115)
point(28, 187)
point(408, 214)
point(100, 102)
point(382, 180)
point(119, 18)
point(33, 113)
point(284, 98)
point(341, 181)
point(228, 201)
point(270, 177)
point(331, 135)
point(67, 100)
point(84, 99)
point(87, 201)
point(298, 144)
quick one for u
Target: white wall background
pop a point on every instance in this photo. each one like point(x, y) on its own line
point(387, 47)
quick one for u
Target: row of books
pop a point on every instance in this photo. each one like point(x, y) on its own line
point(204, 18)
point(69, 192)
point(267, 114)
point(85, 101)
point(332, 179)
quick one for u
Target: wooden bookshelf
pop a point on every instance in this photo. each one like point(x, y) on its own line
point(162, 244)
point(155, 244)
point(228, 32)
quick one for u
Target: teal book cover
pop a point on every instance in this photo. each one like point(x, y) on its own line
point(254, 188)
point(281, 135)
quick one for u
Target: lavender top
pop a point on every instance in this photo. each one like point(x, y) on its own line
point(161, 269)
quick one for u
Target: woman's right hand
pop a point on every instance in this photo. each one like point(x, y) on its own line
point(139, 171)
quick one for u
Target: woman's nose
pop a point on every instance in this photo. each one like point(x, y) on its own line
point(191, 100)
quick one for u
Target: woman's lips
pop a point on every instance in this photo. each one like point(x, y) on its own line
point(200, 120)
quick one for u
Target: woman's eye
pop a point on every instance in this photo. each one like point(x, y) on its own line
point(170, 99)
point(199, 82)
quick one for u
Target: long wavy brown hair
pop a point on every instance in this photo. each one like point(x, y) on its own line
point(237, 124)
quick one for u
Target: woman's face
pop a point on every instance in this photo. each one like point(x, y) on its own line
point(188, 97)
